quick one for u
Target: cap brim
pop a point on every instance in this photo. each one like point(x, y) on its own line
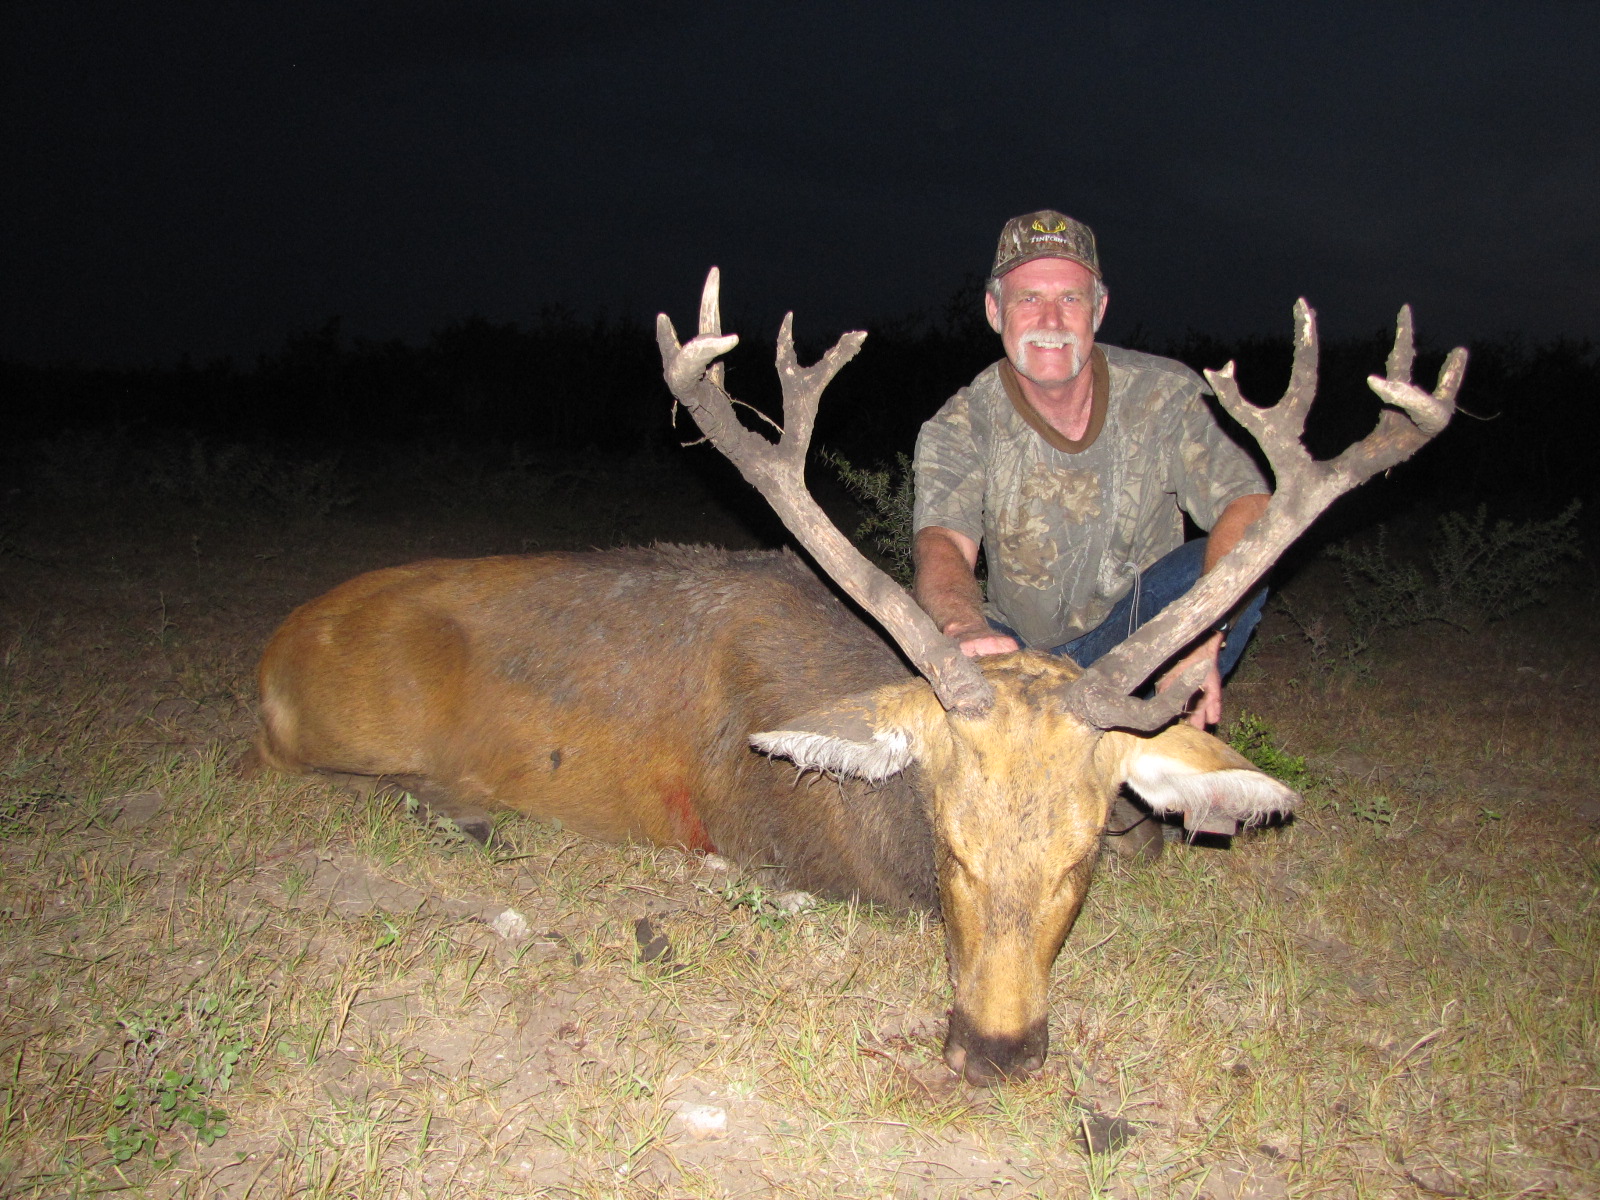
point(1014, 263)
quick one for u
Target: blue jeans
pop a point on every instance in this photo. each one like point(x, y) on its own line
point(1159, 585)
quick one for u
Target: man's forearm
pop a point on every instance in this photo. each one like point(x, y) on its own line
point(1230, 526)
point(946, 586)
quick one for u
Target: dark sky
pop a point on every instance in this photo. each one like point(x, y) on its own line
point(209, 177)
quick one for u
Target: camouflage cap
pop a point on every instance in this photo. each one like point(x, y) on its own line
point(1044, 234)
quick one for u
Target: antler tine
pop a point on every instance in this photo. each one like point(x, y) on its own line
point(777, 471)
point(1404, 351)
point(1304, 488)
point(1302, 389)
point(1278, 429)
point(1416, 415)
point(711, 318)
point(803, 386)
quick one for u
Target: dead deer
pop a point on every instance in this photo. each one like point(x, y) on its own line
point(669, 694)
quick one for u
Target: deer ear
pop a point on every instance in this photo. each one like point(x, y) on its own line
point(863, 735)
point(1183, 770)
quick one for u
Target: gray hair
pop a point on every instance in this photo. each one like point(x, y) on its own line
point(992, 287)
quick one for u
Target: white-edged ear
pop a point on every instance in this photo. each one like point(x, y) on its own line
point(1182, 770)
point(851, 738)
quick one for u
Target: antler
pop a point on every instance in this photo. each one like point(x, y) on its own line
point(777, 471)
point(1305, 487)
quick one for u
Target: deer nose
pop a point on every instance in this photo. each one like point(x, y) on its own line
point(986, 1059)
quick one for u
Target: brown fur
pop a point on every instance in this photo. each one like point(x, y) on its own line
point(619, 691)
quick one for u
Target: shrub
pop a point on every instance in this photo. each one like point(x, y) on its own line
point(1476, 572)
point(887, 494)
point(197, 471)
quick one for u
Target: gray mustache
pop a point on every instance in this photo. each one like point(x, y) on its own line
point(1048, 339)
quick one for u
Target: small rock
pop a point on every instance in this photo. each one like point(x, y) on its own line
point(511, 925)
point(715, 862)
point(794, 902)
point(703, 1120)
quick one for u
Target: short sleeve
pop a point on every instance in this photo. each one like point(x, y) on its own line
point(949, 469)
point(1209, 470)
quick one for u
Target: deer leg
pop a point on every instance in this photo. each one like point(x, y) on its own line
point(420, 798)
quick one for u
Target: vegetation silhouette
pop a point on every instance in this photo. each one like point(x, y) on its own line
point(564, 384)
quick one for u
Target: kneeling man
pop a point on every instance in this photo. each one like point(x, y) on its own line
point(1072, 464)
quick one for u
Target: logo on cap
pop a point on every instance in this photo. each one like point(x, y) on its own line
point(1044, 234)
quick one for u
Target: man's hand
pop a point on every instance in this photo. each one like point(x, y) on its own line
point(1207, 708)
point(976, 641)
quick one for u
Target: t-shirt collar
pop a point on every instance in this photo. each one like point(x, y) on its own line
point(1097, 405)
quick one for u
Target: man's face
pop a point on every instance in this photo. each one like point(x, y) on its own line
point(1046, 318)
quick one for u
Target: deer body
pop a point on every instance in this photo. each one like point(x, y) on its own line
point(615, 691)
point(621, 691)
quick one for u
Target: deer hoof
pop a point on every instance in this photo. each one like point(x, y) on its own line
point(1132, 834)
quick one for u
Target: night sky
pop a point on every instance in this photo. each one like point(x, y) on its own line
point(207, 179)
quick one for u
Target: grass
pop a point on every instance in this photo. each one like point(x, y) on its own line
point(216, 988)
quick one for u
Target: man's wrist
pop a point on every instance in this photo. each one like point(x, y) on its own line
point(965, 627)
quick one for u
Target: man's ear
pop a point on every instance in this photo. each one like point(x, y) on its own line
point(991, 309)
point(1105, 299)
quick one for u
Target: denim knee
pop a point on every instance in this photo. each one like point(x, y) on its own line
point(1158, 585)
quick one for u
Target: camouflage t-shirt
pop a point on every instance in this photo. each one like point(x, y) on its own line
point(1065, 531)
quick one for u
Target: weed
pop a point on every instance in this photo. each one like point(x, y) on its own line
point(295, 879)
point(176, 1057)
point(1377, 810)
point(1251, 737)
point(1329, 650)
point(17, 809)
point(765, 911)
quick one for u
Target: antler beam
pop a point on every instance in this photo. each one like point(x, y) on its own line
point(777, 471)
point(1304, 488)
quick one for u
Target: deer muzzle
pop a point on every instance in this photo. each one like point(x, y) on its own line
point(984, 1058)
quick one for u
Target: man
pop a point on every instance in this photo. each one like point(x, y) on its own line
point(1069, 462)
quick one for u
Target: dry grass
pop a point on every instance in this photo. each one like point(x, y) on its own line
point(1394, 995)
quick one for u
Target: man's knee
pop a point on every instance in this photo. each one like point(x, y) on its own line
point(1164, 581)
